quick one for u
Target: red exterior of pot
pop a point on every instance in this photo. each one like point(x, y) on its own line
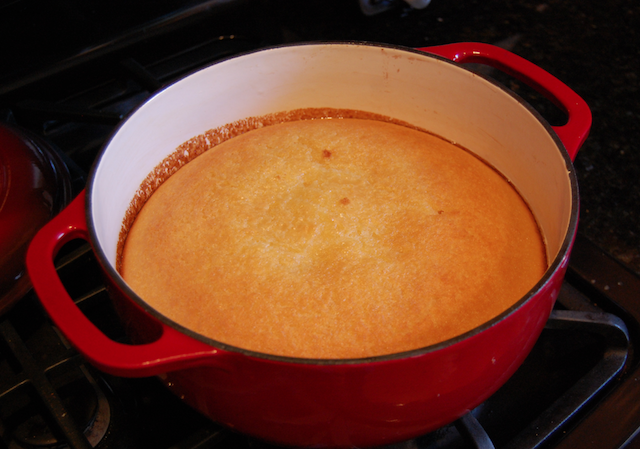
point(370, 403)
point(296, 402)
point(319, 403)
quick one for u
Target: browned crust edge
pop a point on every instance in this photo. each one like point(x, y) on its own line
point(197, 145)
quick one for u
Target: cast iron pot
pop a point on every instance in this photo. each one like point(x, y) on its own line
point(344, 403)
point(35, 185)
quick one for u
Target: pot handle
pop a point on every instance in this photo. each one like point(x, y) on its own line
point(574, 132)
point(172, 350)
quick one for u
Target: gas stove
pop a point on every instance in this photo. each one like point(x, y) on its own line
point(577, 388)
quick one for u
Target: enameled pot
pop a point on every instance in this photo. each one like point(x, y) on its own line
point(324, 403)
point(34, 186)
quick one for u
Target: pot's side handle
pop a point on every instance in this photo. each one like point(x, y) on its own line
point(574, 132)
point(173, 350)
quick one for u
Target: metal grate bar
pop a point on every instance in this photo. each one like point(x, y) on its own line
point(45, 390)
point(572, 401)
point(473, 432)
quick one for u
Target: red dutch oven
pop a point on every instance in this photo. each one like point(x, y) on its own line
point(34, 186)
point(325, 403)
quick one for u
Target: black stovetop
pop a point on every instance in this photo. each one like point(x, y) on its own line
point(75, 69)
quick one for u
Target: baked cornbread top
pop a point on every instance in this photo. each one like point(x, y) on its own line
point(333, 238)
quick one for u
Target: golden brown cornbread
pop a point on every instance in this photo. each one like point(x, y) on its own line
point(334, 238)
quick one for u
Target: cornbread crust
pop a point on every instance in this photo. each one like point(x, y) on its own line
point(334, 238)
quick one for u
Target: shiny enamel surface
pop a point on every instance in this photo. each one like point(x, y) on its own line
point(328, 402)
point(34, 186)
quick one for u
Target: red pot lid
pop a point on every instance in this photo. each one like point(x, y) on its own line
point(34, 186)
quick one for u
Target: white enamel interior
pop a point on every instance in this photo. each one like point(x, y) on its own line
point(436, 95)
